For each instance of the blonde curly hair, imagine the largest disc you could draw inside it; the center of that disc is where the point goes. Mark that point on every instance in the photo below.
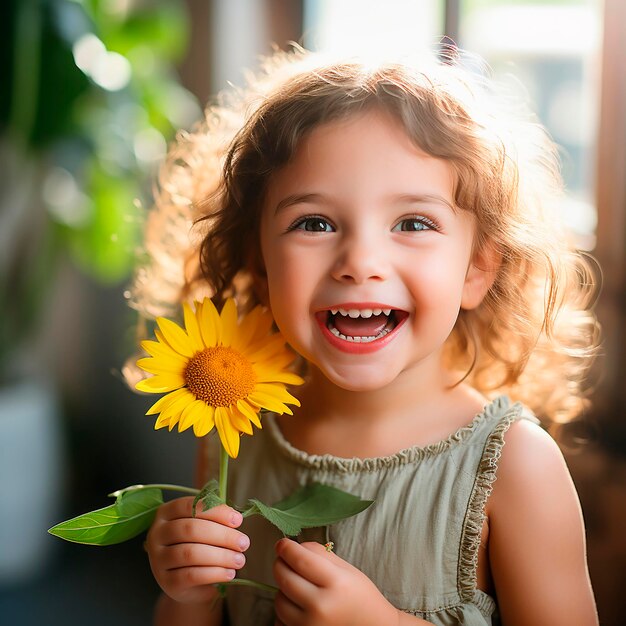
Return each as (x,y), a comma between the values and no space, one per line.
(534,335)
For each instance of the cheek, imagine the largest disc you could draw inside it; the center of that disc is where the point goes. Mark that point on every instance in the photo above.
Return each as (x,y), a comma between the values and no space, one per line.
(291,270)
(441,275)
(288,297)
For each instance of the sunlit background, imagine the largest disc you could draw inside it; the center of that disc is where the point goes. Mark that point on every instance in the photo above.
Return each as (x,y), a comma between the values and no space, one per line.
(92,93)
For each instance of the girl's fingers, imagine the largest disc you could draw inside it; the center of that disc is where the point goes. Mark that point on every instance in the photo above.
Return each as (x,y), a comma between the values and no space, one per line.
(197,554)
(296,588)
(331,557)
(185,578)
(181,508)
(194,530)
(286,611)
(315,567)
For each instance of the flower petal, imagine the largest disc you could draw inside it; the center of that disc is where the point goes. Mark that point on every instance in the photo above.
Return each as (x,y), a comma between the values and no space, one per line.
(160,383)
(192,328)
(277,392)
(277,376)
(250,326)
(206,422)
(251,413)
(191,413)
(228,319)
(174,420)
(162,403)
(264,326)
(229,435)
(162,350)
(270,348)
(269,402)
(178,405)
(162,422)
(161,366)
(175,336)
(208,321)
(240,421)
(280,361)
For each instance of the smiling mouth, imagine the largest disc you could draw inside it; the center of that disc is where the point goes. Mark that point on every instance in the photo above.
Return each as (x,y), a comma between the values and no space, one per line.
(362,325)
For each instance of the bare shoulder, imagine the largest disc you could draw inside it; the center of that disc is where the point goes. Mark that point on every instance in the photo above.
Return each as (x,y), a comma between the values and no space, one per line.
(537,539)
(532,460)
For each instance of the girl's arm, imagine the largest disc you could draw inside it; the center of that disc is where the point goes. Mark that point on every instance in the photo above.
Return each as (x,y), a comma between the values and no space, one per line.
(318,588)
(537,537)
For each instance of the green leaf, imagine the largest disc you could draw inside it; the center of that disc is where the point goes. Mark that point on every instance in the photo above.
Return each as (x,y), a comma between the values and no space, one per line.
(131,514)
(309,507)
(209,496)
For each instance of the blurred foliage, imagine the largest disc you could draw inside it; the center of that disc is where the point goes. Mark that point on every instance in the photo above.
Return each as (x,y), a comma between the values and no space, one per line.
(90,99)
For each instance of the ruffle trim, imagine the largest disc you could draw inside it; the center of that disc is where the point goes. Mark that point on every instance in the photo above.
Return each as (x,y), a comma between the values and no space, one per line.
(328,462)
(475,516)
(481,600)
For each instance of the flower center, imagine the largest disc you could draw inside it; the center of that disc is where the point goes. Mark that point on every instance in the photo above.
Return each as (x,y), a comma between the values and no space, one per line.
(219,376)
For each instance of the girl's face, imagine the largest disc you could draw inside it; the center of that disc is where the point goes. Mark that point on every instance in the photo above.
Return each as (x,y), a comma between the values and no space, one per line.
(367,260)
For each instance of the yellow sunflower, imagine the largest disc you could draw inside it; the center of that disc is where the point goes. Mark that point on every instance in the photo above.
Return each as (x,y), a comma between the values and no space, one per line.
(217,373)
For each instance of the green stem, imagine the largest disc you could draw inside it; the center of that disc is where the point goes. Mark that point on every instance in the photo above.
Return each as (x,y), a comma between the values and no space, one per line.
(223,483)
(165,487)
(251,583)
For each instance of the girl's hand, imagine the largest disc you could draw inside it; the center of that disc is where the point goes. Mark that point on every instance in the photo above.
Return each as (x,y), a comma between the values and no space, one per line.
(189,555)
(318,588)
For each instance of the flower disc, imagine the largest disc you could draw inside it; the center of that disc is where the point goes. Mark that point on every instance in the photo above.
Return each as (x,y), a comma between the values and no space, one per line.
(219,376)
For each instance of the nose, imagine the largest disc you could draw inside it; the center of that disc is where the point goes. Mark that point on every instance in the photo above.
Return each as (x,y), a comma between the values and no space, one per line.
(361,258)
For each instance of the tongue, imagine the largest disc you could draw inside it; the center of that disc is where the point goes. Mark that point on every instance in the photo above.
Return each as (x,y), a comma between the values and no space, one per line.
(360,326)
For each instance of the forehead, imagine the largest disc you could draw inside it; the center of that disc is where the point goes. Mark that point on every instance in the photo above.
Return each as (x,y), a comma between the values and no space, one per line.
(365,154)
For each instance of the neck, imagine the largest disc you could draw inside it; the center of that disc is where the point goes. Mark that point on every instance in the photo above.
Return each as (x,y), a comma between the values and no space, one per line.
(418,408)
(321,399)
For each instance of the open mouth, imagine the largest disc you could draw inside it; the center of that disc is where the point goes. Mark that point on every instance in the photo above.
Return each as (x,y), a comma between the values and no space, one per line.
(362,325)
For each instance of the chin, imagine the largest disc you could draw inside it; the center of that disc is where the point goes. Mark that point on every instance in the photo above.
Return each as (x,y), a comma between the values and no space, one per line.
(355,381)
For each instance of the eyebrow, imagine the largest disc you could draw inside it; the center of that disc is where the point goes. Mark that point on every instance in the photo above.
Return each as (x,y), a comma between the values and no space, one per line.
(299,198)
(409,198)
(405,198)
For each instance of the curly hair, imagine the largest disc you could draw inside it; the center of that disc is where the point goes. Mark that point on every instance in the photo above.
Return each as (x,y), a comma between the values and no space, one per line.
(533,336)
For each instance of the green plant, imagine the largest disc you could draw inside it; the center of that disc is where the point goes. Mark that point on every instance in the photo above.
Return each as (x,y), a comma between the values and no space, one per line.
(92,100)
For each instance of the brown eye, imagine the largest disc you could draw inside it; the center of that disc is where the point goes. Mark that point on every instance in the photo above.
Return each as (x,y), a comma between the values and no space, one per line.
(413,225)
(314,225)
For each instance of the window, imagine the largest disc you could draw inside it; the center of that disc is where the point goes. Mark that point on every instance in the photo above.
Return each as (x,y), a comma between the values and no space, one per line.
(364,26)
(547,50)
(551,48)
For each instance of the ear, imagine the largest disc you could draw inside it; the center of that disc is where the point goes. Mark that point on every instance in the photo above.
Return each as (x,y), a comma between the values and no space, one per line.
(481,274)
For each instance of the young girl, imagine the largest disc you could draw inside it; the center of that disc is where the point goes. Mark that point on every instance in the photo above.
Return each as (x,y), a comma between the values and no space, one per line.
(405,237)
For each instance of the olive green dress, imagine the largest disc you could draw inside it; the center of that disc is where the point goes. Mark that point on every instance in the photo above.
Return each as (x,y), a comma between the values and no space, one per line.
(418,542)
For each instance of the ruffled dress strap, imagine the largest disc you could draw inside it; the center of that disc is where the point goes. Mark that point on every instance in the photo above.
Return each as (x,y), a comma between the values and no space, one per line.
(486,475)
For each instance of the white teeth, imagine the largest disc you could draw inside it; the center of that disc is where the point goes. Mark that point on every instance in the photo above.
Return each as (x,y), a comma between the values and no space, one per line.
(355,313)
(366,339)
